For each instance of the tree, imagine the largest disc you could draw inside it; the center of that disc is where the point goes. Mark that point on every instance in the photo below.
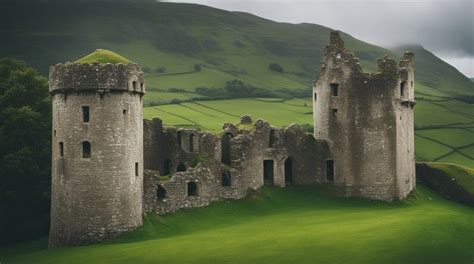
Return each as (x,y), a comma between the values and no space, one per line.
(25,152)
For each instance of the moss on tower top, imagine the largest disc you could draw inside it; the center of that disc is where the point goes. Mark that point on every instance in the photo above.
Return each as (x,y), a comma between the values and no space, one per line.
(103,56)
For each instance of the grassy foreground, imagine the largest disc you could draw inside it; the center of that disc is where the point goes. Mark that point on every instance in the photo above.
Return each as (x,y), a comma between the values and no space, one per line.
(295,224)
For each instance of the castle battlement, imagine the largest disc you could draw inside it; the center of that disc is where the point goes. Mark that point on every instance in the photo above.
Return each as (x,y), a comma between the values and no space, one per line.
(78,77)
(109,166)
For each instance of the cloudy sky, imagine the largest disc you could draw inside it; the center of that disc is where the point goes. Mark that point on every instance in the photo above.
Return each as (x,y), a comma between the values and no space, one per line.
(446,27)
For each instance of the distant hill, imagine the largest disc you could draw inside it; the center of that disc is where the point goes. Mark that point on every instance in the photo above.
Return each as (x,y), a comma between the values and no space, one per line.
(170,39)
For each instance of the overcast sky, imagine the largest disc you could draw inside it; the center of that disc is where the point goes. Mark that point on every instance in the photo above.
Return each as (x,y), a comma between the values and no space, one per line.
(445,27)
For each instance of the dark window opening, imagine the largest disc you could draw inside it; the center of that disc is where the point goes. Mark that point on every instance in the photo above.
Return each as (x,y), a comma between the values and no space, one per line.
(178,137)
(85,114)
(315,97)
(86,149)
(167,167)
(61,149)
(124,111)
(330,170)
(271,138)
(289,170)
(191,143)
(192,189)
(268,172)
(55,132)
(181,167)
(334,89)
(334,111)
(225,148)
(160,192)
(134,85)
(136,169)
(141,86)
(402,89)
(226,181)
(411,83)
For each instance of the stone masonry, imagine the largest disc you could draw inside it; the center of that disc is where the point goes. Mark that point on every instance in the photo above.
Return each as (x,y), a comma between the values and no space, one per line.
(110,166)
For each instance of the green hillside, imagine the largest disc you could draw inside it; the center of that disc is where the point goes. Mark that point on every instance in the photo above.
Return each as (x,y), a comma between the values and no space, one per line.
(168,40)
(290,225)
(184,46)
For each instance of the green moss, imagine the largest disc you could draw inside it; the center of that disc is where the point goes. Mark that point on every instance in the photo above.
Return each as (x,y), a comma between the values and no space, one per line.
(103,56)
(164,178)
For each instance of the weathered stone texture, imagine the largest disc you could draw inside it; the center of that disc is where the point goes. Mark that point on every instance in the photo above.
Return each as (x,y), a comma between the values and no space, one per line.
(367,122)
(363,124)
(100,197)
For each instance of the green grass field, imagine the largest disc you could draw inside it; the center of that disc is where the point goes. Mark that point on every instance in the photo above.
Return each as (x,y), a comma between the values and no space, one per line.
(444,129)
(290,225)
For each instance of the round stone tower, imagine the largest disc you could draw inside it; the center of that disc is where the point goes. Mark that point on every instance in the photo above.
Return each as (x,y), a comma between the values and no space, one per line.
(97,163)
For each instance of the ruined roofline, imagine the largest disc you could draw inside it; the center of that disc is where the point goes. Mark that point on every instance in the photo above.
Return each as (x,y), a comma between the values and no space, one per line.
(95,76)
(386,65)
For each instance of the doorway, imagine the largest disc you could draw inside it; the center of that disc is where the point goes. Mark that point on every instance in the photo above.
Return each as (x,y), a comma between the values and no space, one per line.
(268,172)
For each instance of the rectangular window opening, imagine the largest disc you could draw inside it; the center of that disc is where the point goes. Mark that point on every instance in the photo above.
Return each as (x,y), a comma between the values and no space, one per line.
(334,89)
(136,169)
(402,89)
(86,149)
(330,170)
(315,97)
(61,149)
(334,111)
(85,114)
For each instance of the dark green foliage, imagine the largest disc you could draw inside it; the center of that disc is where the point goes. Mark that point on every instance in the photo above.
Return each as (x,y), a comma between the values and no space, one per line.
(160,69)
(239,44)
(176,90)
(197,67)
(25,152)
(276,67)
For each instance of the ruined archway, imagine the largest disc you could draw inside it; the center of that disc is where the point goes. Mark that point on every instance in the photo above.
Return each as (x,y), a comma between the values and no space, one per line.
(289,170)
(271,138)
(160,192)
(166,167)
(191,143)
(225,148)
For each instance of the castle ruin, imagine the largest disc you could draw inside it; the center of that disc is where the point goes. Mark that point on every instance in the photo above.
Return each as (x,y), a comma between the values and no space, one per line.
(110,166)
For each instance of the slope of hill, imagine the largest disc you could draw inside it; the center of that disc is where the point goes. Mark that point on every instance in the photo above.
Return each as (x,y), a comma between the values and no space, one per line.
(170,39)
(294,224)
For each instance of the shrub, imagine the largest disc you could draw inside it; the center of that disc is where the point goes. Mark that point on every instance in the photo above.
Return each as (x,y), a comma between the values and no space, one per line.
(176,90)
(276,67)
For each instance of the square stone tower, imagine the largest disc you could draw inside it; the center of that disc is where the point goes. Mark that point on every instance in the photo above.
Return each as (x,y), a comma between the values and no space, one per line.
(367,120)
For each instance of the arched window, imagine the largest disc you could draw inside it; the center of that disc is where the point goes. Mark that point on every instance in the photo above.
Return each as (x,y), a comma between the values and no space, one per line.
(289,170)
(166,167)
(226,181)
(86,149)
(178,137)
(225,148)
(181,167)
(191,143)
(192,189)
(271,138)
(160,192)
(134,85)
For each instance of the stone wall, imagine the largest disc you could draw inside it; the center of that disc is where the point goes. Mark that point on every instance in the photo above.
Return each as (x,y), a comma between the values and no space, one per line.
(218,177)
(97,159)
(367,124)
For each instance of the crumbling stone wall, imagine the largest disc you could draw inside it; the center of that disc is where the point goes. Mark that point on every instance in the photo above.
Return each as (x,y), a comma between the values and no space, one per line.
(367,123)
(248,148)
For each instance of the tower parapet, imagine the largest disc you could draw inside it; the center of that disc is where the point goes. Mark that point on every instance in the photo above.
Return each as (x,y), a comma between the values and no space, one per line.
(97,160)
(367,120)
